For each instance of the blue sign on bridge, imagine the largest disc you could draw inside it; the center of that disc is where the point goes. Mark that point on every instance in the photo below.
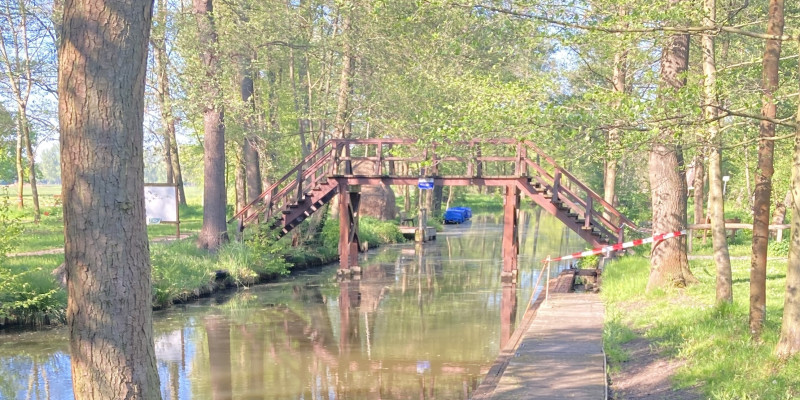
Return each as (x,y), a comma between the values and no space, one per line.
(425,183)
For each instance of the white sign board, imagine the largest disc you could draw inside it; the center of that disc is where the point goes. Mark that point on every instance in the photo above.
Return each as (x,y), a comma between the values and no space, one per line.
(161,203)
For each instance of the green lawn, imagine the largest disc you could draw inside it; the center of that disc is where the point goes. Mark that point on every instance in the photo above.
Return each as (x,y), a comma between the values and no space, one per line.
(49,232)
(722,362)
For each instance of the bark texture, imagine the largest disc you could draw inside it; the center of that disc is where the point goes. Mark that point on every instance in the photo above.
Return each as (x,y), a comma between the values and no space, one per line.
(763,189)
(789,341)
(102,60)
(214,230)
(669,265)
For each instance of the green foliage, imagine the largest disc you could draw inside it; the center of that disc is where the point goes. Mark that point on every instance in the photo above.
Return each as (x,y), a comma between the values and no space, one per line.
(779,249)
(589,262)
(371,230)
(714,341)
(28,291)
(10,228)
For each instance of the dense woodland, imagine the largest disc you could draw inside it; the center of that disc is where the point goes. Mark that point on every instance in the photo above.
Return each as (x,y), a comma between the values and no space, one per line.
(630,96)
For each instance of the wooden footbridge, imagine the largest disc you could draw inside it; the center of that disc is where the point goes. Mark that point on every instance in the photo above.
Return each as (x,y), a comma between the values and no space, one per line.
(516,165)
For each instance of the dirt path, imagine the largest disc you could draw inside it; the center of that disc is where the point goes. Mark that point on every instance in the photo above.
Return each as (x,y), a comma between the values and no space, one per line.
(646,375)
(60,250)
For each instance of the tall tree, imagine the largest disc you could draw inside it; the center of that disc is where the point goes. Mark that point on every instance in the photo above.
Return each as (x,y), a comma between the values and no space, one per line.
(164,98)
(19,65)
(716,204)
(214,230)
(619,87)
(343,117)
(789,342)
(102,60)
(763,191)
(669,264)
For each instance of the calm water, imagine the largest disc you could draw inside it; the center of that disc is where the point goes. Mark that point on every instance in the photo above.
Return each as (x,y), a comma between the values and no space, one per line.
(420,323)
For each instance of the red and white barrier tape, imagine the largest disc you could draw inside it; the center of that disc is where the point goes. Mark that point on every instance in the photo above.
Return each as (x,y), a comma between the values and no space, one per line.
(620,246)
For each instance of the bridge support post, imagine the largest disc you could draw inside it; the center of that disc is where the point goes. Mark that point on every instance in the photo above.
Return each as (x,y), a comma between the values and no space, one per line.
(349,201)
(510,233)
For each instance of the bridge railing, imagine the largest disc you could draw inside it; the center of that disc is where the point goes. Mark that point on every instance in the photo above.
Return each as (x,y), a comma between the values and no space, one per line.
(290,187)
(593,204)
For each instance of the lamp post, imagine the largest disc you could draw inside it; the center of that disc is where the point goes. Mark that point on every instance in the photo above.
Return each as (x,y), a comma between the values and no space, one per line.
(725,180)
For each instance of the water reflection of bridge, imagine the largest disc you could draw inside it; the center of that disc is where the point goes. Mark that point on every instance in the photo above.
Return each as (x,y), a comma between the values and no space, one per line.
(335,342)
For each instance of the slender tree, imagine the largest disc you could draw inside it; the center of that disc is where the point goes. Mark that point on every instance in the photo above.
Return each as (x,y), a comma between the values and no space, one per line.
(164,98)
(102,61)
(716,204)
(763,190)
(214,230)
(789,342)
(19,64)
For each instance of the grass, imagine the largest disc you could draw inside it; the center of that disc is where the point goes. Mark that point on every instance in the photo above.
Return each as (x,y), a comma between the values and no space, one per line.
(722,362)
(29,293)
(49,232)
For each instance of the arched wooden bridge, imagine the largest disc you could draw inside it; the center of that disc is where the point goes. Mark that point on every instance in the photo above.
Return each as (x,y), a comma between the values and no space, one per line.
(517,165)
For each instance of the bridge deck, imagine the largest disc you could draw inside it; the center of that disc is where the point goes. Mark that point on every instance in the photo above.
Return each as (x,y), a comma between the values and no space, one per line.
(561,354)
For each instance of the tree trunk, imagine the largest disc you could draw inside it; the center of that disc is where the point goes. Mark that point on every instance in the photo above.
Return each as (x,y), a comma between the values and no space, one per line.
(779,215)
(240,185)
(214,231)
(102,57)
(343,123)
(20,170)
(789,341)
(252,168)
(613,139)
(26,133)
(165,102)
(763,190)
(715,199)
(699,183)
(669,265)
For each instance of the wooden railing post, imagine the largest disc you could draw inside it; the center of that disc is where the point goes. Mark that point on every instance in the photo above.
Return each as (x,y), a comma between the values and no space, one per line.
(335,158)
(348,164)
(523,156)
(379,167)
(299,180)
(587,217)
(479,166)
(556,185)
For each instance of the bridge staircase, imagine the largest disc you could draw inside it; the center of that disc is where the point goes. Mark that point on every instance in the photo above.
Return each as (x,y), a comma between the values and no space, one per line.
(517,165)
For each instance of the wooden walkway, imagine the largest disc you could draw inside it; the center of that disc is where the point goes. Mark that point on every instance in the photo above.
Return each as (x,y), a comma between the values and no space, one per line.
(560,356)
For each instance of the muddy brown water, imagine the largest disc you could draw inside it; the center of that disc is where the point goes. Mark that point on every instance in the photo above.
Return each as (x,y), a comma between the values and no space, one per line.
(421,322)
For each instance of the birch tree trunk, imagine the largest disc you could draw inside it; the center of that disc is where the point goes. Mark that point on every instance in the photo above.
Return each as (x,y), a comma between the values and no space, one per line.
(102,60)
(763,190)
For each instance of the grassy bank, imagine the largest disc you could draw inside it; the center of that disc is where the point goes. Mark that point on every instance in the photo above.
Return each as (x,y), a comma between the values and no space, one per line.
(31,294)
(721,361)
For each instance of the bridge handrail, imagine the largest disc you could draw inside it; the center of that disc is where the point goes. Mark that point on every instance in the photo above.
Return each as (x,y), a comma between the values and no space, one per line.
(611,209)
(283,179)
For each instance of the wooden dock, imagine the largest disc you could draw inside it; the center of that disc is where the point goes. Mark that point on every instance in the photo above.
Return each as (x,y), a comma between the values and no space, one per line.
(409,231)
(560,356)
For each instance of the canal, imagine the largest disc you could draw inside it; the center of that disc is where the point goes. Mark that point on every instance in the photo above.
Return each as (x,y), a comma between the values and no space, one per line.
(422,322)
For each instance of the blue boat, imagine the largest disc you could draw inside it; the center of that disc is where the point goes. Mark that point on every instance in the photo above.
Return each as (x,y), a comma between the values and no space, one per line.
(457,215)
(467,211)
